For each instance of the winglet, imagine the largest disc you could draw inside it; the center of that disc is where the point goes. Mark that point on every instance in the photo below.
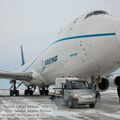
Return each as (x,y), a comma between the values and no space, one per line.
(22,56)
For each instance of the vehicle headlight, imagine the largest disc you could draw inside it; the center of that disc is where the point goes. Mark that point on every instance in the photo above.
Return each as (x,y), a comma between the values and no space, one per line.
(77,95)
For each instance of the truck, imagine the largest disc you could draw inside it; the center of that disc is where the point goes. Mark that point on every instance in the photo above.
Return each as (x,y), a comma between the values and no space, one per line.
(74,92)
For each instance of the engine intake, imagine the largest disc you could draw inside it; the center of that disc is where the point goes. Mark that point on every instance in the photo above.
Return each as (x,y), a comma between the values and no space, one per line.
(104,85)
(117,81)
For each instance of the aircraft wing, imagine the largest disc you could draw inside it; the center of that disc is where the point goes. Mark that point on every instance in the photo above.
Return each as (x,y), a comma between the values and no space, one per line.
(22,76)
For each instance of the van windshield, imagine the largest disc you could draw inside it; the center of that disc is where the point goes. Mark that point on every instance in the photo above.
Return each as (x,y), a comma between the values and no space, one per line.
(79,85)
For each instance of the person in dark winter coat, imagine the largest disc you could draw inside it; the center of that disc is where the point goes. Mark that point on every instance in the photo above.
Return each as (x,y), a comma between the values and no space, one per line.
(118,92)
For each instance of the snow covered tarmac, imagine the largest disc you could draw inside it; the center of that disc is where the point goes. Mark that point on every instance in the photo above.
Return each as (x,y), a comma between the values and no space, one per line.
(41,108)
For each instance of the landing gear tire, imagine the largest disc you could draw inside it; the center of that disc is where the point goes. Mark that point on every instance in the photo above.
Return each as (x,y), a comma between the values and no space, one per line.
(11,92)
(17,92)
(92,105)
(70,104)
(46,92)
(14,92)
(31,92)
(43,89)
(28,92)
(41,92)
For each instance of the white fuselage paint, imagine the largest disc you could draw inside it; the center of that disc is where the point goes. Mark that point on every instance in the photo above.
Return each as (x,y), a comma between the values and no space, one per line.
(85,48)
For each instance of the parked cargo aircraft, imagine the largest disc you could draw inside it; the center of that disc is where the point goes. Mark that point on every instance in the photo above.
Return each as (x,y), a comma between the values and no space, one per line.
(89,47)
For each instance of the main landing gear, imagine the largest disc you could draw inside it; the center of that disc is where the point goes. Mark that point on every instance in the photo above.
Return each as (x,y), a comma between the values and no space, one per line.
(15,92)
(44,90)
(29,91)
(13,89)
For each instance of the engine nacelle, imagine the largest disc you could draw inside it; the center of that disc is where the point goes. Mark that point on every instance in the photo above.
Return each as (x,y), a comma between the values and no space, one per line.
(104,85)
(114,80)
(117,81)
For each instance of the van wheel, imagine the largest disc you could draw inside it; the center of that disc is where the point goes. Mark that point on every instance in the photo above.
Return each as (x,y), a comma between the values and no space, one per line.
(92,105)
(70,104)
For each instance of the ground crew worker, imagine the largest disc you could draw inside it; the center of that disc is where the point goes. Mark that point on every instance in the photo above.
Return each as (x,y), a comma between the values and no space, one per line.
(118,92)
(98,96)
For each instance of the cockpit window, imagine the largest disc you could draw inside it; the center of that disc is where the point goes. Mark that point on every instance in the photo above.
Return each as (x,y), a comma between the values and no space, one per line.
(99,12)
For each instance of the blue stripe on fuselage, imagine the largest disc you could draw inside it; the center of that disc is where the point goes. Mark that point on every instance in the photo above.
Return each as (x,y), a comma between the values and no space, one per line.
(86,36)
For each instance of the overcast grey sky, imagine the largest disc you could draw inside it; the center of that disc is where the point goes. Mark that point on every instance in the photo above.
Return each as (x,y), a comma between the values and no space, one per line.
(35,24)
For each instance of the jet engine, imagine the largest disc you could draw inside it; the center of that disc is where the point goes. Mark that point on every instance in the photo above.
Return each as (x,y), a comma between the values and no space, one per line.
(103,85)
(114,80)
(117,81)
